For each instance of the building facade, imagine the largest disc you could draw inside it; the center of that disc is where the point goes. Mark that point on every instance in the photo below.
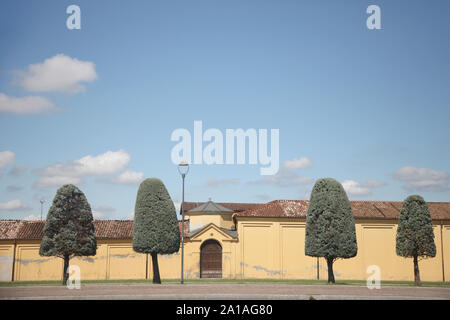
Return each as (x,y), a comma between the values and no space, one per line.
(235,241)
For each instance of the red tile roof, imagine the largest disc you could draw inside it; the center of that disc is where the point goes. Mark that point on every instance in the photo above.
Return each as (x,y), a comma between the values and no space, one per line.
(278,208)
(361,209)
(31,230)
(113,229)
(104,229)
(123,229)
(10,228)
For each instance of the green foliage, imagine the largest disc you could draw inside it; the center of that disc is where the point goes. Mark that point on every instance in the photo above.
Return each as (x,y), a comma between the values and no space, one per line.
(69,230)
(155,221)
(415,235)
(330,226)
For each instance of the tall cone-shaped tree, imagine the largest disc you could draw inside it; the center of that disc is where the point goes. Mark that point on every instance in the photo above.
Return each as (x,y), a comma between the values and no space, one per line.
(155,228)
(415,237)
(69,230)
(330,226)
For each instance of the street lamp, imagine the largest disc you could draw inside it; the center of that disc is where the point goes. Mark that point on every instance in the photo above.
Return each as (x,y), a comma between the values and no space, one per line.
(183,169)
(42,203)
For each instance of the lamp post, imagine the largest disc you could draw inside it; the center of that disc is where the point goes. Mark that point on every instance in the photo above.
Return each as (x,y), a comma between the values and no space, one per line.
(42,203)
(183,169)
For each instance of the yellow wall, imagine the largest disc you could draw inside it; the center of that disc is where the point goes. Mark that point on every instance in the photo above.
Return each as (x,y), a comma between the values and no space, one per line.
(192,252)
(198,220)
(446,249)
(271,248)
(274,249)
(115,259)
(266,248)
(376,246)
(257,251)
(29,265)
(169,266)
(6,260)
(292,251)
(226,221)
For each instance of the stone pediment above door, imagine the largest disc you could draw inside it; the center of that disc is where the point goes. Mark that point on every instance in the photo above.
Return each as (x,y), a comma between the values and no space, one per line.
(211,231)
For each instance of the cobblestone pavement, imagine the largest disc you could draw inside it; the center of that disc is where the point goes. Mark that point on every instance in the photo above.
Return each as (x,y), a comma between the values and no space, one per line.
(222,291)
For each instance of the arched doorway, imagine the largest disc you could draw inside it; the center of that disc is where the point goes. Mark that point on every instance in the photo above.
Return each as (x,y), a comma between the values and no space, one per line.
(211,259)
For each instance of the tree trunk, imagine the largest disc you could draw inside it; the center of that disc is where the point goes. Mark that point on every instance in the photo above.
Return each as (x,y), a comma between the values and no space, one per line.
(65,270)
(156,278)
(330,270)
(416,272)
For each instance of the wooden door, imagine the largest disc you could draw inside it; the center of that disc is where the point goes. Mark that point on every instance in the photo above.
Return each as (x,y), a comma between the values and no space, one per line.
(211,260)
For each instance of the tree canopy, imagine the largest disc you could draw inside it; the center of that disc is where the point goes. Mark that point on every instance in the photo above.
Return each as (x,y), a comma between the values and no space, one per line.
(415,235)
(155,221)
(69,229)
(330,225)
(155,228)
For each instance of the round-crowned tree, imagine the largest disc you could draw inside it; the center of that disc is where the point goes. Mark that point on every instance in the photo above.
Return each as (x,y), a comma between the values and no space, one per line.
(155,227)
(69,229)
(415,237)
(330,226)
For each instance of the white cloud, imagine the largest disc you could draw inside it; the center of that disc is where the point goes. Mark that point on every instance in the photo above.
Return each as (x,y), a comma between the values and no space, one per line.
(106,209)
(301,163)
(13,205)
(56,181)
(354,188)
(32,217)
(110,162)
(98,215)
(25,105)
(128,177)
(60,73)
(6,157)
(102,212)
(423,179)
(107,163)
(287,176)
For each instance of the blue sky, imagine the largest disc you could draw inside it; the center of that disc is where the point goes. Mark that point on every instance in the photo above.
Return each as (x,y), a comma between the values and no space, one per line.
(97,106)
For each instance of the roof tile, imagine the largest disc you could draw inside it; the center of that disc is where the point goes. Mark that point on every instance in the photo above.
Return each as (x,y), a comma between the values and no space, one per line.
(104,229)
(9,229)
(361,209)
(123,229)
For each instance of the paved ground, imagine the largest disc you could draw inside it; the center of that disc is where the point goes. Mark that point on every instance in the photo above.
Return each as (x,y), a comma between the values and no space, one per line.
(221,291)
